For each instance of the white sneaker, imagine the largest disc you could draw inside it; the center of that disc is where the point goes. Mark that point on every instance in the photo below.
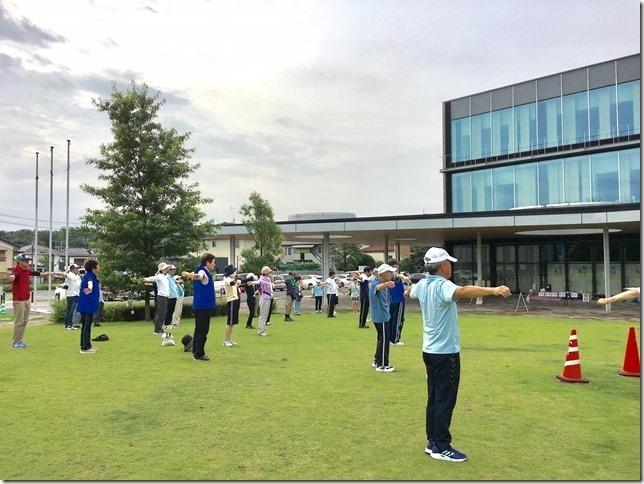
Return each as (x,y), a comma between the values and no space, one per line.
(386,369)
(228,343)
(88,352)
(400,343)
(262,333)
(373,364)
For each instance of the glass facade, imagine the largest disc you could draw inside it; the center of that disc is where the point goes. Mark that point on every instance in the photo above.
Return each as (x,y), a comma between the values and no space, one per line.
(586,116)
(609,177)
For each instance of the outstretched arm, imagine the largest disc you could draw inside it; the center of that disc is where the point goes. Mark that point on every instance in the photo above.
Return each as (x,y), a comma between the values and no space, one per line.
(622,296)
(476,291)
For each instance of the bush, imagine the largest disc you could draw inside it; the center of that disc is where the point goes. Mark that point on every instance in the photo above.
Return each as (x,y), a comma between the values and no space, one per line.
(118,311)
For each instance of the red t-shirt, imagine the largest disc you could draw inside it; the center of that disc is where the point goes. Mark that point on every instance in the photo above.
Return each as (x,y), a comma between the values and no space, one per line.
(20,285)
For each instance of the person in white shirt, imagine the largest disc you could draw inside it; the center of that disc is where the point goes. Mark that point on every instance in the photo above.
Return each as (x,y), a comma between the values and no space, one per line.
(73,282)
(331,294)
(231,286)
(163,291)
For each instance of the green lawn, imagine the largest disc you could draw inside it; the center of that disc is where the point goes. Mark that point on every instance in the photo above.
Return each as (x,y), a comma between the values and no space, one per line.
(304,403)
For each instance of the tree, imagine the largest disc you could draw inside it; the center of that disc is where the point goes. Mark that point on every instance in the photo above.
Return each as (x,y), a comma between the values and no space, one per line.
(151,213)
(258,218)
(415,261)
(348,257)
(78,237)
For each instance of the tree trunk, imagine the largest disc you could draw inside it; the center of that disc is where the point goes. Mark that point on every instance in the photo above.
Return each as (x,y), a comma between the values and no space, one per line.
(147,305)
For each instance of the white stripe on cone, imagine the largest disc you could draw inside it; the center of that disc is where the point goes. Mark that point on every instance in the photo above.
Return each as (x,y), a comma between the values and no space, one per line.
(571,362)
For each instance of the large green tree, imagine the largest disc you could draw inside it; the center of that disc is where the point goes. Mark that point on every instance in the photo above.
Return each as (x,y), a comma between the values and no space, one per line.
(415,262)
(348,257)
(151,212)
(259,219)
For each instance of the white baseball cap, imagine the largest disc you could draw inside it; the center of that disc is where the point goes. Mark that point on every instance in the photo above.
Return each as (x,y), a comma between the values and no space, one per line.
(162,266)
(436,254)
(381,269)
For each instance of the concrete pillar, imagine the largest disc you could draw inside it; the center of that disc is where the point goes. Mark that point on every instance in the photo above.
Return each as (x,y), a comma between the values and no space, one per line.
(606,267)
(397,251)
(386,249)
(479,264)
(232,251)
(326,259)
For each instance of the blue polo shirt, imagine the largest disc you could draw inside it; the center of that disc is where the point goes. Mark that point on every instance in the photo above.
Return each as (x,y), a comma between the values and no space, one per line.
(441,334)
(397,293)
(378,302)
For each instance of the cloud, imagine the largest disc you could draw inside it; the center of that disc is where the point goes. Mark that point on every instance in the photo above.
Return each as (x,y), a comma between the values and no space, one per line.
(22,31)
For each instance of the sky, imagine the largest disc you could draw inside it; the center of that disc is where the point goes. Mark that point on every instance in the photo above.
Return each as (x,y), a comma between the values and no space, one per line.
(319,105)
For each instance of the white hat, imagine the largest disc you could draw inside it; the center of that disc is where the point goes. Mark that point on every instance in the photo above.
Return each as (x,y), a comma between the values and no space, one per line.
(177,278)
(172,266)
(250,276)
(162,266)
(381,269)
(436,254)
(266,270)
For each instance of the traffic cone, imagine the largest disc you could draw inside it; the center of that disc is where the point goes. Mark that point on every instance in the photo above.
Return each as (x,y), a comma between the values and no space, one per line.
(631,365)
(572,366)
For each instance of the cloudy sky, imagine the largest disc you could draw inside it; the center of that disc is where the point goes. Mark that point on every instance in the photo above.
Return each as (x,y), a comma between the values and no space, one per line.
(308,102)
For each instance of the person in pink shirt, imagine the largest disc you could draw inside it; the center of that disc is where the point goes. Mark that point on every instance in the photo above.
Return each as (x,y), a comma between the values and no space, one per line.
(265,297)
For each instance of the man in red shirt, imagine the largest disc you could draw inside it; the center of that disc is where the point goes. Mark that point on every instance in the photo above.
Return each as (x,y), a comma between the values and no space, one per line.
(22,296)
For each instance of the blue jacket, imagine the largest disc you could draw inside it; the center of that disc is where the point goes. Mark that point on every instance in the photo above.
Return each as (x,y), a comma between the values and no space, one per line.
(397,294)
(203,294)
(88,303)
(378,302)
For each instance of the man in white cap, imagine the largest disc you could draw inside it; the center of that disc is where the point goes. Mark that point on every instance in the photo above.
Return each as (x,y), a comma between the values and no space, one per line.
(441,347)
(163,291)
(379,304)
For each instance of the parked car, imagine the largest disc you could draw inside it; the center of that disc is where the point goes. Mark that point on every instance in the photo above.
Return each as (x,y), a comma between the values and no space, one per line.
(309,281)
(417,277)
(218,279)
(60,292)
(280,283)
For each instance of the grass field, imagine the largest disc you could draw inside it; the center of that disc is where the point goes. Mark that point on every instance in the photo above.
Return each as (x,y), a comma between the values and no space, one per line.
(304,403)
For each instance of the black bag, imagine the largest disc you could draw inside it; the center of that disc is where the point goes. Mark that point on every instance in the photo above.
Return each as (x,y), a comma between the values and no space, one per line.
(101,337)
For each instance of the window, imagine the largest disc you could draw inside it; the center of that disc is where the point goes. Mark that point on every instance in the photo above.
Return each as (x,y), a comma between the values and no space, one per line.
(482,190)
(575,118)
(481,136)
(577,177)
(549,123)
(525,127)
(629,169)
(603,114)
(502,132)
(550,182)
(3,255)
(214,243)
(503,182)
(628,97)
(605,177)
(460,139)
(526,185)
(461,192)
(236,243)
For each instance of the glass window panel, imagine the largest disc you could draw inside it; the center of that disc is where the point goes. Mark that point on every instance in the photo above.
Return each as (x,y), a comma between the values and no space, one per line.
(461,193)
(580,277)
(556,276)
(481,190)
(615,277)
(525,127)
(579,252)
(503,182)
(464,254)
(629,168)
(549,123)
(502,132)
(481,136)
(575,118)
(506,275)
(577,179)
(529,253)
(603,113)
(526,185)
(528,277)
(461,139)
(505,253)
(550,182)
(628,97)
(605,177)
(632,250)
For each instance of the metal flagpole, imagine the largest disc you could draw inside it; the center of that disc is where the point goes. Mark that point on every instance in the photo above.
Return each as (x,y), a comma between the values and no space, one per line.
(35,247)
(51,209)
(67,216)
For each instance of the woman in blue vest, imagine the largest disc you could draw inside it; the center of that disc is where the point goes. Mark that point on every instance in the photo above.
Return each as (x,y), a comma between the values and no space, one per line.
(88,304)
(203,303)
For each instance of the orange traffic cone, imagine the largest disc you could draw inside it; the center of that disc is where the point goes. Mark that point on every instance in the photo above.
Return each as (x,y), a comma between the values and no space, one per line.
(632,357)
(572,366)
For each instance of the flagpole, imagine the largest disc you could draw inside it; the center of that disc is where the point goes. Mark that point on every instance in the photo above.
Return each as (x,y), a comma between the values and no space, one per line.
(34,250)
(67,215)
(51,212)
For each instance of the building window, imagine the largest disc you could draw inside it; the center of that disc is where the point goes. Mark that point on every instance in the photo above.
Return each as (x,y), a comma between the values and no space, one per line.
(629,179)
(603,113)
(503,181)
(577,176)
(550,182)
(628,98)
(502,132)
(605,177)
(526,185)
(482,190)
(461,192)
(481,136)
(214,243)
(461,139)
(549,123)
(236,243)
(575,118)
(525,127)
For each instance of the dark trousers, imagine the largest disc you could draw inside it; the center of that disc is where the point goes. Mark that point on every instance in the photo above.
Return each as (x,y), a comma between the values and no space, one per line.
(382,344)
(396,321)
(69,311)
(270,311)
(331,300)
(86,331)
(202,326)
(232,312)
(364,312)
(443,375)
(160,311)
(318,303)
(250,300)
(172,303)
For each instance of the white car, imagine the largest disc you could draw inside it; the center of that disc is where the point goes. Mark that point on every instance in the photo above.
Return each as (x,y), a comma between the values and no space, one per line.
(60,293)
(218,280)
(309,281)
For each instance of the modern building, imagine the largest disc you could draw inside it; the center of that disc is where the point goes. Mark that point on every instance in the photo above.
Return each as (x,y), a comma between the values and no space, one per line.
(541,184)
